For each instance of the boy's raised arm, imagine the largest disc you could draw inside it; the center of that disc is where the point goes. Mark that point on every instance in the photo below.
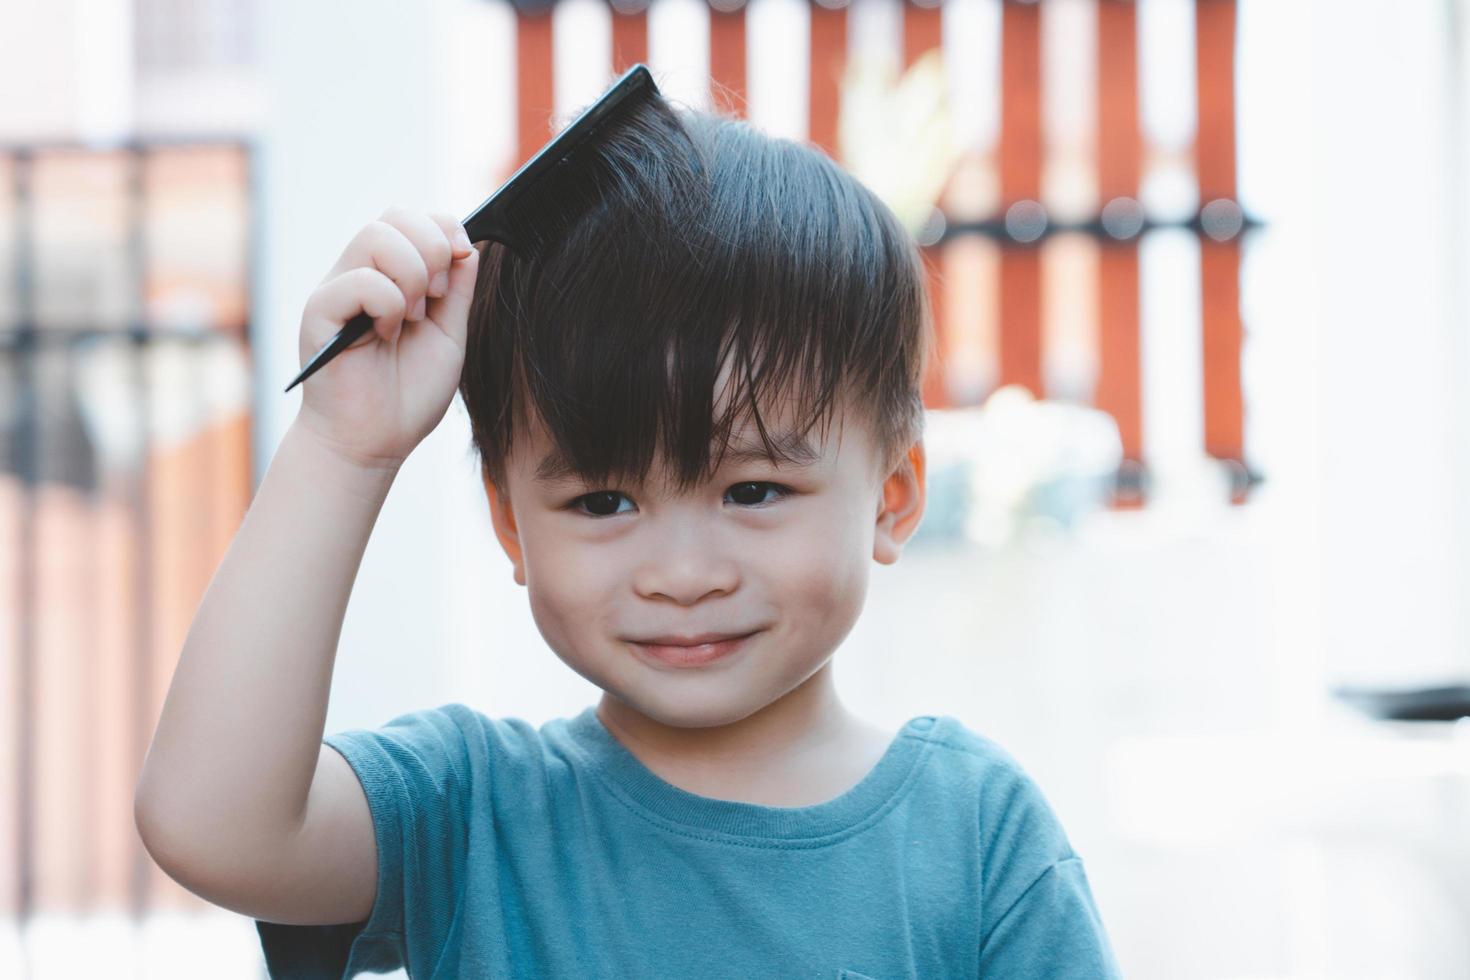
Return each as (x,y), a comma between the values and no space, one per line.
(238,798)
(225,787)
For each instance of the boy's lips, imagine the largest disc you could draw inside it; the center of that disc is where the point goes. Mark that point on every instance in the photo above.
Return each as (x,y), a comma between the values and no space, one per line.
(676,640)
(705,648)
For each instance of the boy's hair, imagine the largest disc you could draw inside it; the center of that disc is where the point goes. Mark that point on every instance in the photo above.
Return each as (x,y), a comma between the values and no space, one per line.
(706,240)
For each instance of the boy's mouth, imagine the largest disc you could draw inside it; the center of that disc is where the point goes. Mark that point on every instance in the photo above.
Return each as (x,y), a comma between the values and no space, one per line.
(691,651)
(676,640)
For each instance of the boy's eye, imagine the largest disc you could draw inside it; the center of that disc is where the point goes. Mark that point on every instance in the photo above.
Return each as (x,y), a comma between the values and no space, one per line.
(597,504)
(755,492)
(604,503)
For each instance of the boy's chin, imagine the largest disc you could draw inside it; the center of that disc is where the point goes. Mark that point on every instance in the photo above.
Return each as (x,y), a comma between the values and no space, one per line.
(683,707)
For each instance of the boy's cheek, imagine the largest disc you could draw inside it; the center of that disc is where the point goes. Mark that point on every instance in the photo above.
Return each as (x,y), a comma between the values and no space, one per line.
(815,568)
(820,537)
(564,578)
(567,575)
(565,628)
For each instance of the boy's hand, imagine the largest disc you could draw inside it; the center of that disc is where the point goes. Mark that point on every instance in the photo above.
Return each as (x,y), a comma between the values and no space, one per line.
(414,273)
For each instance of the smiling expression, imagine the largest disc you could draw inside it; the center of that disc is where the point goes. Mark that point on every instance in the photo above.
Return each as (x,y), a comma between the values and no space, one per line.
(776,552)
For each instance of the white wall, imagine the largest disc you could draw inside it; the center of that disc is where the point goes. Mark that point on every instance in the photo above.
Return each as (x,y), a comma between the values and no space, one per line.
(1378,208)
(370,105)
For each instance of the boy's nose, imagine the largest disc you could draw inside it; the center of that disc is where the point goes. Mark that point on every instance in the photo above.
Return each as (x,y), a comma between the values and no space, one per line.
(686,570)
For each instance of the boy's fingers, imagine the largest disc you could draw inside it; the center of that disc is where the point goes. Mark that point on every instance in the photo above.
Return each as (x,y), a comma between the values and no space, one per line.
(338,300)
(453,311)
(432,245)
(459,239)
(384,247)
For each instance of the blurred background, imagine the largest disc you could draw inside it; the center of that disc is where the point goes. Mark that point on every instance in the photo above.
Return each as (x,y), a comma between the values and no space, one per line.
(1196,548)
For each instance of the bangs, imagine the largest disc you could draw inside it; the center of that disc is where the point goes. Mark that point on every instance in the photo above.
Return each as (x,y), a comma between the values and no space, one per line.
(721,274)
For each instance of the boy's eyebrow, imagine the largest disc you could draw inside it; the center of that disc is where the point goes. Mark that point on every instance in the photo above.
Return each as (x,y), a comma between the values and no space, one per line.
(556,468)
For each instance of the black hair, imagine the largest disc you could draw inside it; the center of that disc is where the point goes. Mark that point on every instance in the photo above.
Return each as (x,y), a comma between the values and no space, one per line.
(707,240)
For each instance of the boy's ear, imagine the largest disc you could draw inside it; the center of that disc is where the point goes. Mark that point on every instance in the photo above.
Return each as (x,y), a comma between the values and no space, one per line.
(504,519)
(902,506)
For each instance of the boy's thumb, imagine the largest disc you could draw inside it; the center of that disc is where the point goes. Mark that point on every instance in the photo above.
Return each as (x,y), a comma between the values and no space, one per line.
(452,310)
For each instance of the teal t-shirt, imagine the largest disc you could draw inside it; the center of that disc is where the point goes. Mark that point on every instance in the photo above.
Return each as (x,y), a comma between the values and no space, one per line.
(510,851)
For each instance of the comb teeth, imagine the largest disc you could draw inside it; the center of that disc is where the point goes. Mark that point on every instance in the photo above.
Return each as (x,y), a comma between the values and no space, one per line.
(646,156)
(546,208)
(562,180)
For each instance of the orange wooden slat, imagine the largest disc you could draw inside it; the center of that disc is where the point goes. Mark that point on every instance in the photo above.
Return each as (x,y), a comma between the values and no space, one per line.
(1224,410)
(828,57)
(1119,376)
(1020,179)
(971,276)
(1119,139)
(922,31)
(1222,336)
(534,99)
(727,59)
(1020,318)
(199,491)
(116,743)
(629,39)
(1119,154)
(64,530)
(1215,65)
(1020,107)
(180,569)
(197,225)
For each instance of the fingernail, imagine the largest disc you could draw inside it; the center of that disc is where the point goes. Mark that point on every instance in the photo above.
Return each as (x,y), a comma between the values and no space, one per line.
(462,239)
(439,285)
(418,309)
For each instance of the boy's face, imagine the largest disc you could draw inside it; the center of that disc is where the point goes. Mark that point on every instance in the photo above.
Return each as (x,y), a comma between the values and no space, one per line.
(780,552)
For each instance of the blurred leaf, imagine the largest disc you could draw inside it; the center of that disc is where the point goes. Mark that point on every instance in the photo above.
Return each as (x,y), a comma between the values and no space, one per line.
(895,133)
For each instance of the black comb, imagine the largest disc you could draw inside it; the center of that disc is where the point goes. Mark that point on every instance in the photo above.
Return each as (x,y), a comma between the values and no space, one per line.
(509,215)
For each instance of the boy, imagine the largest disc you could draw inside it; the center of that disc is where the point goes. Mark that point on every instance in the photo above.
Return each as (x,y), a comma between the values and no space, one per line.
(698,418)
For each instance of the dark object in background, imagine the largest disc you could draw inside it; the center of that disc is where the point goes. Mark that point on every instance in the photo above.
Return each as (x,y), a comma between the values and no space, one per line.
(1409,704)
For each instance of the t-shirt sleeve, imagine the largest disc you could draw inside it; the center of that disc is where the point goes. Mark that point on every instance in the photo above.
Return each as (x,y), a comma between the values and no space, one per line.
(1053,930)
(415,773)
(1038,917)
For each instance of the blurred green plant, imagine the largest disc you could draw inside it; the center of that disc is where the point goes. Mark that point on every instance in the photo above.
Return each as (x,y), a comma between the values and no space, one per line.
(895,133)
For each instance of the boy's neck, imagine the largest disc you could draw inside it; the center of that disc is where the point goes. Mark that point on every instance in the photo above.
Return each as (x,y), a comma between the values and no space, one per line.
(802,749)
